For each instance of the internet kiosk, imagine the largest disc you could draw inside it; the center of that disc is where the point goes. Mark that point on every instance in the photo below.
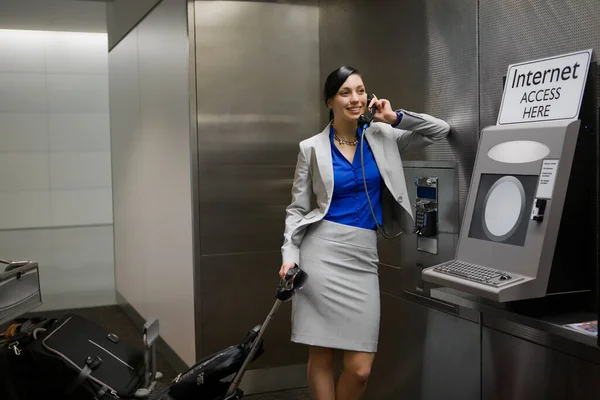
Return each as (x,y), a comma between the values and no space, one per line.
(527,231)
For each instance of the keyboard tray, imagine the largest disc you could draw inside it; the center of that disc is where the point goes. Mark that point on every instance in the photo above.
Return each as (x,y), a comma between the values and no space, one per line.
(478,274)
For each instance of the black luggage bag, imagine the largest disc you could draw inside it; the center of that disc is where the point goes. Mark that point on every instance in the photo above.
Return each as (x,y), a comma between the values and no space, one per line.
(112,365)
(204,380)
(70,358)
(74,359)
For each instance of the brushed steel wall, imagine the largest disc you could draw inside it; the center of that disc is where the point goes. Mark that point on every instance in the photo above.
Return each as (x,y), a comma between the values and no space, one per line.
(257,73)
(515,31)
(515,369)
(425,354)
(422,56)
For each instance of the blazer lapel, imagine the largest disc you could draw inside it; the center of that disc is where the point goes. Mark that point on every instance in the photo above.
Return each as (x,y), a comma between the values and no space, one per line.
(377,148)
(324,161)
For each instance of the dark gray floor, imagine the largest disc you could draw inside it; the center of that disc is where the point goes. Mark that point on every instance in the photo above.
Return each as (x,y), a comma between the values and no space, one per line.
(113,319)
(297,394)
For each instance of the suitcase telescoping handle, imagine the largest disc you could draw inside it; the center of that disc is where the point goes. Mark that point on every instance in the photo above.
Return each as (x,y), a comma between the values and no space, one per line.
(238,376)
(294,279)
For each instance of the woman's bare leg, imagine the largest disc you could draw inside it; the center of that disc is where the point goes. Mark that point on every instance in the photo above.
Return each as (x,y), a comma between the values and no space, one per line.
(320,373)
(353,381)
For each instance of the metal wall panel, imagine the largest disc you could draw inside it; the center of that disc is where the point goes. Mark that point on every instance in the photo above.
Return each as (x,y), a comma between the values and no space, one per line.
(257,85)
(422,56)
(257,74)
(238,291)
(419,359)
(515,369)
(515,31)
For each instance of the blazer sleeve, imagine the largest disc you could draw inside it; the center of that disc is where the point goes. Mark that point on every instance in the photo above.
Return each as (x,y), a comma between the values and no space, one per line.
(298,208)
(419,130)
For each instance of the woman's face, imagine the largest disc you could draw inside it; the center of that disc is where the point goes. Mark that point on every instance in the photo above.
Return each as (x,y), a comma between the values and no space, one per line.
(350,101)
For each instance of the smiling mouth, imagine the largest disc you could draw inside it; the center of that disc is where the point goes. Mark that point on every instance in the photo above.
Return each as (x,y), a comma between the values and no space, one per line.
(354,109)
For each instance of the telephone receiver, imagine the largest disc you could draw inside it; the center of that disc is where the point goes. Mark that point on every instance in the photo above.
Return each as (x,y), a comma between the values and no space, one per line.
(363,121)
(366,118)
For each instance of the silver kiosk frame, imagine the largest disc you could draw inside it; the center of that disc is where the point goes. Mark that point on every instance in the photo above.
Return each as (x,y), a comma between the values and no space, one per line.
(509,233)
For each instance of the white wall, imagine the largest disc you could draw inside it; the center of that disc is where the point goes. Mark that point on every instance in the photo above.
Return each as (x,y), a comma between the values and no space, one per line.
(55,176)
(150,141)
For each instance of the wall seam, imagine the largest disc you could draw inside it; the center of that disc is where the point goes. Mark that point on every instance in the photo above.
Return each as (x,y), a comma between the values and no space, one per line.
(195,185)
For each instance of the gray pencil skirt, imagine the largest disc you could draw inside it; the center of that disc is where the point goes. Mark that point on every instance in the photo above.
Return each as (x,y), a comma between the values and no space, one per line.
(339,307)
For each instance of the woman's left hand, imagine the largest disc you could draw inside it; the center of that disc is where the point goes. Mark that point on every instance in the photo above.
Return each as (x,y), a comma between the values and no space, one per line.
(384,112)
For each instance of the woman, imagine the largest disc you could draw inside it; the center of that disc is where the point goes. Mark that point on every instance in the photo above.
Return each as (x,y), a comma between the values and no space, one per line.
(336,242)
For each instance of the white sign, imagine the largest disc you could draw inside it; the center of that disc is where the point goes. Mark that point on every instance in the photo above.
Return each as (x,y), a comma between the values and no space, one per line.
(547,179)
(544,90)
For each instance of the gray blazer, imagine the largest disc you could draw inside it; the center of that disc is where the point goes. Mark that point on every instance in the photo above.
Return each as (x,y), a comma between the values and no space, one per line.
(314,175)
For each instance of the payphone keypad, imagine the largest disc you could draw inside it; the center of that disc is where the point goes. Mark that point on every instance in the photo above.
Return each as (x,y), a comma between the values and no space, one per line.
(426,207)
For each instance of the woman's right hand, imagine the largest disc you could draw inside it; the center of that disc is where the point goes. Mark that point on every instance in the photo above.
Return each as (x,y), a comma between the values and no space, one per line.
(285,267)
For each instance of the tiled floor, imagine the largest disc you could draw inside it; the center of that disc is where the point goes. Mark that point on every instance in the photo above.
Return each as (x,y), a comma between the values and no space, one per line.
(115,320)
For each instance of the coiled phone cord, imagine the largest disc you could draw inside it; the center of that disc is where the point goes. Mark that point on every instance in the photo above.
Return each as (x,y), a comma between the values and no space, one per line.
(362,164)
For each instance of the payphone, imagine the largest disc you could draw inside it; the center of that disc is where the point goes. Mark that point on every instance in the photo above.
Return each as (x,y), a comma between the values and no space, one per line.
(432,187)
(426,223)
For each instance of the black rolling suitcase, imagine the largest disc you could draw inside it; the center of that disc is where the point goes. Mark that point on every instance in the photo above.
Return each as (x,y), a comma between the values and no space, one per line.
(99,357)
(73,358)
(70,358)
(205,379)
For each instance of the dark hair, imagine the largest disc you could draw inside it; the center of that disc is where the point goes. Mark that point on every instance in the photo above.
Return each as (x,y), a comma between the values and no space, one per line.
(334,82)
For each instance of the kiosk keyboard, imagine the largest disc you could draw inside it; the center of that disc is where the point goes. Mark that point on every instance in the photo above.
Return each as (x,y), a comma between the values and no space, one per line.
(477,273)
